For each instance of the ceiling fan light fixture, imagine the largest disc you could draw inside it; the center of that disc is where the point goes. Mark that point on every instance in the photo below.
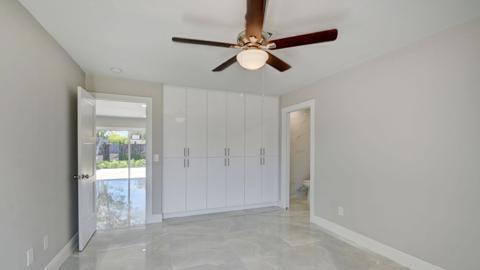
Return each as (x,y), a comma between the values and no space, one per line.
(252,58)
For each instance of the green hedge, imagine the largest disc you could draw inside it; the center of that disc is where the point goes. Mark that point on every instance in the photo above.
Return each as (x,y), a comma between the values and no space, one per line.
(116,164)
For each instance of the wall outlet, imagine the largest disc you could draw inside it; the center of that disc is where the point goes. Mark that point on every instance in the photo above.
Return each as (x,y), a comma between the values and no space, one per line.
(30,256)
(340,211)
(45,242)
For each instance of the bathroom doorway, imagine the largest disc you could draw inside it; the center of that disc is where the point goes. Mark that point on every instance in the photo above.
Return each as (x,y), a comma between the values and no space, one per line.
(298,157)
(299,129)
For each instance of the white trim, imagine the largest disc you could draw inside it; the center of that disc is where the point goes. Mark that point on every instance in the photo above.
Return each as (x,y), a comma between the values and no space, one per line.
(149,217)
(363,241)
(155,219)
(63,254)
(219,210)
(285,160)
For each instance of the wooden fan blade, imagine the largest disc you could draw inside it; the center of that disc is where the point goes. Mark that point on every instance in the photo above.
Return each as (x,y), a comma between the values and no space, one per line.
(254,18)
(277,63)
(312,38)
(226,64)
(203,42)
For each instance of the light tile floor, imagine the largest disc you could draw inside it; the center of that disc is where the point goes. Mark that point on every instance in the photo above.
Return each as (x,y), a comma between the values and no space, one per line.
(267,238)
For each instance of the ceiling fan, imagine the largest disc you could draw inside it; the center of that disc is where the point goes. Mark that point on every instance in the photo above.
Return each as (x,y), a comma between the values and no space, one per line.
(255,44)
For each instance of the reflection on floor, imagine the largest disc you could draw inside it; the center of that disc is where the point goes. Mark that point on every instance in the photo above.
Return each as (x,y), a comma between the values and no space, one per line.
(267,238)
(117,207)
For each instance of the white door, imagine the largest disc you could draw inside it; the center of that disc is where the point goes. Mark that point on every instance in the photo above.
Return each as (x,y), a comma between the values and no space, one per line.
(174,184)
(235,181)
(196,123)
(216,196)
(174,121)
(270,126)
(87,222)
(236,124)
(253,180)
(253,125)
(270,179)
(196,184)
(216,123)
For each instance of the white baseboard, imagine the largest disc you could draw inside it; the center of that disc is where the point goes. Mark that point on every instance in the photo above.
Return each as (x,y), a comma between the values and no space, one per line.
(360,240)
(219,210)
(63,254)
(155,219)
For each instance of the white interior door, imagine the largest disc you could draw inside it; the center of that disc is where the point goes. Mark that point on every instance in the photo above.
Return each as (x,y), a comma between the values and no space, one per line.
(236,124)
(87,219)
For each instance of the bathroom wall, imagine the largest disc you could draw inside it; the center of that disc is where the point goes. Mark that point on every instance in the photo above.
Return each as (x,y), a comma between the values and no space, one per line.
(299,150)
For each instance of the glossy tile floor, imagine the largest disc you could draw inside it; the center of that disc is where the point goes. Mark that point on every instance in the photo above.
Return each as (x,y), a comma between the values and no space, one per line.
(267,238)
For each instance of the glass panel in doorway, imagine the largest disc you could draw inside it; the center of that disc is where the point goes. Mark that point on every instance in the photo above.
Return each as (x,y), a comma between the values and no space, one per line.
(121,175)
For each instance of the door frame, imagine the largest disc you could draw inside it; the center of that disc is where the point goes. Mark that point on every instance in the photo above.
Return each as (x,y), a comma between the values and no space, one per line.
(285,150)
(149,217)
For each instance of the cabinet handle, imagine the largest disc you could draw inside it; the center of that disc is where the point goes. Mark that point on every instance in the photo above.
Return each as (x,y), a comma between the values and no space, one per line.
(184,152)
(225,162)
(184,163)
(188,163)
(225,151)
(228,162)
(228,152)
(188,151)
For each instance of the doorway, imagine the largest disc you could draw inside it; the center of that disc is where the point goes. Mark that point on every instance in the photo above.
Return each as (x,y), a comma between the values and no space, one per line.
(122,188)
(298,157)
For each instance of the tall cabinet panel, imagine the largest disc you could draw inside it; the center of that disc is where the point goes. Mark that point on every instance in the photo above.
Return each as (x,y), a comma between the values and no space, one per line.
(196,123)
(253,125)
(235,124)
(216,123)
(216,196)
(174,121)
(270,126)
(270,179)
(253,180)
(235,181)
(196,190)
(174,185)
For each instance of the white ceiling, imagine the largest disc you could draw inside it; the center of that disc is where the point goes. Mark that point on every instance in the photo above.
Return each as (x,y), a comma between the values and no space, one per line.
(135,35)
(120,109)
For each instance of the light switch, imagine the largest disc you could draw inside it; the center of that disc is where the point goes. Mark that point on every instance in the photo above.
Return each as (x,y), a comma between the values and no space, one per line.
(156,158)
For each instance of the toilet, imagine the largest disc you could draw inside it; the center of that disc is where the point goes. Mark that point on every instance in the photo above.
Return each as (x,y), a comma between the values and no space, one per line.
(306,187)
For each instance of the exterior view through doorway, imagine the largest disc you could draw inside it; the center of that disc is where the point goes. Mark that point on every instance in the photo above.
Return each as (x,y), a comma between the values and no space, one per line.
(122,190)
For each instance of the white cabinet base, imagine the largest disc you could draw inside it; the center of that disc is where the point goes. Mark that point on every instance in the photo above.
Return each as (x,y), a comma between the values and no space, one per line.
(220,210)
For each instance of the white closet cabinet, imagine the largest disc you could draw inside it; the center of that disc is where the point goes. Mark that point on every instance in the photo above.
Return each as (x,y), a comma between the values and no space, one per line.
(220,151)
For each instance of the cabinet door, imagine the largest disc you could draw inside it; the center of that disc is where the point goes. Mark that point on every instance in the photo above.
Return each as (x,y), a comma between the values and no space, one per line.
(216,196)
(173,185)
(236,181)
(253,125)
(196,184)
(197,122)
(270,126)
(253,180)
(270,179)
(174,121)
(236,124)
(216,123)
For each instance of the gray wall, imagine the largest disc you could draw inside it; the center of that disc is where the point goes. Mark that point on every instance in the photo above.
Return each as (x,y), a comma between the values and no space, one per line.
(38,83)
(112,85)
(299,150)
(398,146)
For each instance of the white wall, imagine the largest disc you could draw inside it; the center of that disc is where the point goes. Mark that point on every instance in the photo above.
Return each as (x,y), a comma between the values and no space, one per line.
(112,85)
(299,150)
(38,196)
(398,146)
